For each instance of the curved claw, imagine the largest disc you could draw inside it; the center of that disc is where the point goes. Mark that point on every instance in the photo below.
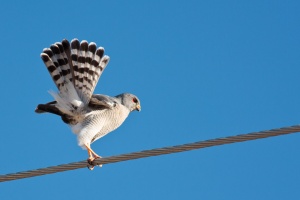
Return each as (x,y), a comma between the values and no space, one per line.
(90,165)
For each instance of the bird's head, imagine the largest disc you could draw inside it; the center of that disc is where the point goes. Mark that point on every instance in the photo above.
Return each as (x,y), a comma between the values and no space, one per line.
(130,101)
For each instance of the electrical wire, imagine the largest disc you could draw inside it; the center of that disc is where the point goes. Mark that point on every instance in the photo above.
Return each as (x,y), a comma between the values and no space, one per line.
(152,152)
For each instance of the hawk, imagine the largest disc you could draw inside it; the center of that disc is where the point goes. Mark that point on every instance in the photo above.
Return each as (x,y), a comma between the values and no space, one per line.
(75,69)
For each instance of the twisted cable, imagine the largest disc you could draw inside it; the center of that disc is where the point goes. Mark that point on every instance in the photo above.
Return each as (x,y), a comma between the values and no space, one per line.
(153,152)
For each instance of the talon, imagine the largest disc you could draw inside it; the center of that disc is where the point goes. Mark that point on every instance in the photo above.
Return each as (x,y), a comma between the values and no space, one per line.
(90,167)
(90,161)
(94,159)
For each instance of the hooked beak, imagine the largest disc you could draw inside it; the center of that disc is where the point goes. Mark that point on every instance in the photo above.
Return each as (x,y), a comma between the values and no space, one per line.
(138,107)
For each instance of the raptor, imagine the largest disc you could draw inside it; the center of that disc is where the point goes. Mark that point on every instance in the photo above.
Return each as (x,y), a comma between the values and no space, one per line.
(75,68)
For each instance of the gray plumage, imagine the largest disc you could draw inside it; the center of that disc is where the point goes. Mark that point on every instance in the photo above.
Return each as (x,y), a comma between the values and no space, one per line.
(75,69)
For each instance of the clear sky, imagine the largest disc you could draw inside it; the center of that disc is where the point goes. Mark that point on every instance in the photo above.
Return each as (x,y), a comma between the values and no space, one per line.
(202,70)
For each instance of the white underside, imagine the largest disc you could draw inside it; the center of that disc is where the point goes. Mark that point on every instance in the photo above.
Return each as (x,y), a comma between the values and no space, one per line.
(99,122)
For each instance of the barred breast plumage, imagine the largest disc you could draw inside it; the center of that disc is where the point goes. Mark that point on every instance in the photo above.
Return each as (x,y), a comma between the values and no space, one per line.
(75,69)
(98,123)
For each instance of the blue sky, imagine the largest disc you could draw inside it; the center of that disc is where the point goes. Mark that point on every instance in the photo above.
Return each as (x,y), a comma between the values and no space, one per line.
(202,70)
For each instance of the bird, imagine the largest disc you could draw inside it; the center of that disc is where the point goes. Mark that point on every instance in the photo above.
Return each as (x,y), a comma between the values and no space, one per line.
(75,68)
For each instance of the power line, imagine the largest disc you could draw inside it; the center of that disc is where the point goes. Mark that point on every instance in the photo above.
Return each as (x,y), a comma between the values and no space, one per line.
(153,152)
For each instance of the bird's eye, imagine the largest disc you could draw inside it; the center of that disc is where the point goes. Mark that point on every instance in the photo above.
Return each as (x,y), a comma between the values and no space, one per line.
(134,100)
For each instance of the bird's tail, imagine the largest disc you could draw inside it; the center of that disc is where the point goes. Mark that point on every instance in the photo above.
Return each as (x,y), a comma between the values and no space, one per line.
(75,69)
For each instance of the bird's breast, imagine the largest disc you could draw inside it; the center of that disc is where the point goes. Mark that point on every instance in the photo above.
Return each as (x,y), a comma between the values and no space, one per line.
(112,118)
(98,123)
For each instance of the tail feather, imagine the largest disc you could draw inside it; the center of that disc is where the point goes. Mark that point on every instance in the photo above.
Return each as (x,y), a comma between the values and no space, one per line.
(90,69)
(95,70)
(66,46)
(99,63)
(63,62)
(75,69)
(53,68)
(75,51)
(82,65)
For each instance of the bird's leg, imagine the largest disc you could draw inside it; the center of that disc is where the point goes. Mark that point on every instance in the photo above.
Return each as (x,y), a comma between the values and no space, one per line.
(94,154)
(92,157)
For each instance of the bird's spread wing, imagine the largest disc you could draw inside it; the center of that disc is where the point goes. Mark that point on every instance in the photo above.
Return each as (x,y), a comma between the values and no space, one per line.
(79,64)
